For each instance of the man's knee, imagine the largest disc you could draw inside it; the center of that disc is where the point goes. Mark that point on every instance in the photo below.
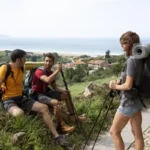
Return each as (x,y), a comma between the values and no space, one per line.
(17,112)
(54,102)
(43,108)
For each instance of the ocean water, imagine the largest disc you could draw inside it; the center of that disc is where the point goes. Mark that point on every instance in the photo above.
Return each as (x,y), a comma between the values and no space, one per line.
(89,46)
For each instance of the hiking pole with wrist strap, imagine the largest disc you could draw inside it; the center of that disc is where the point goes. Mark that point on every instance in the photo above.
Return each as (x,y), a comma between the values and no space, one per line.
(111,94)
(70,98)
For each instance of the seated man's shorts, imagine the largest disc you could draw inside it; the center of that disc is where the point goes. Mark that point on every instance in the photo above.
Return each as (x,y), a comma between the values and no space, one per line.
(20,101)
(46,98)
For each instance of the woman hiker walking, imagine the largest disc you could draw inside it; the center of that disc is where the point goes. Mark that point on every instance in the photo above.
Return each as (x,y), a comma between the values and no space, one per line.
(130,105)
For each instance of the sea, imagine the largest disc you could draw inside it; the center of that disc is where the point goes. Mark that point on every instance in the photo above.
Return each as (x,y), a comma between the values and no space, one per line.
(80,46)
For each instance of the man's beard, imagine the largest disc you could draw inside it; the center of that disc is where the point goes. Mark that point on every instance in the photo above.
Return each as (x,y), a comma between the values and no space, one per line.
(48,67)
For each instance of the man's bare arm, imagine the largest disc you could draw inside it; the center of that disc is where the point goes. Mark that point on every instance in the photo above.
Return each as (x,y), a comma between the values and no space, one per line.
(54,86)
(51,78)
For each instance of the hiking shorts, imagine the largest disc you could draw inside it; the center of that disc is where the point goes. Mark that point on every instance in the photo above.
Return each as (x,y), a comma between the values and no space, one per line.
(46,98)
(130,110)
(20,101)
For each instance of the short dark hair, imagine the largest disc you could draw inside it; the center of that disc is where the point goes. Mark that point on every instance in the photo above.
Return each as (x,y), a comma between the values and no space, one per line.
(17,53)
(50,55)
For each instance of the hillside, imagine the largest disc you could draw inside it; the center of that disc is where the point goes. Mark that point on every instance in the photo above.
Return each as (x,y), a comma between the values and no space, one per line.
(37,137)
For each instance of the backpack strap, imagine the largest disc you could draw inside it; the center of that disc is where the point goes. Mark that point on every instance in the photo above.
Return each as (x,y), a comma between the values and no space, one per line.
(7,74)
(22,69)
(31,74)
(10,72)
(45,72)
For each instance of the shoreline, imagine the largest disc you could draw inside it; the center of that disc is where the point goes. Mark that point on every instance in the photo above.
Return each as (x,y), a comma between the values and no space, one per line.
(67,54)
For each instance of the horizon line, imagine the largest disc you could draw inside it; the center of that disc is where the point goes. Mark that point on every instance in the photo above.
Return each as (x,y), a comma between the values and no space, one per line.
(7,36)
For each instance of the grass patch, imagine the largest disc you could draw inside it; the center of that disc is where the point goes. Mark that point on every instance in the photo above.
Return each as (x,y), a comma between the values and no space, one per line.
(77,88)
(2,53)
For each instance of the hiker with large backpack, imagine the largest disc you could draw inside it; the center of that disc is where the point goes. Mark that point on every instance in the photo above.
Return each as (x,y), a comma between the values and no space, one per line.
(130,101)
(51,96)
(15,102)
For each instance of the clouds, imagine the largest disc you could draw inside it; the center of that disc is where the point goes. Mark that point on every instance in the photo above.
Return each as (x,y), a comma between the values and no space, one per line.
(73,18)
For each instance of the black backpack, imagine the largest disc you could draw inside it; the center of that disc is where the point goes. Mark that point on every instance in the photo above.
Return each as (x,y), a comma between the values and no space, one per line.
(144,85)
(28,80)
(142,52)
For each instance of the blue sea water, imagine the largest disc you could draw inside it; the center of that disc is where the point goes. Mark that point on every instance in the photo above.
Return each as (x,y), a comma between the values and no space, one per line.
(89,46)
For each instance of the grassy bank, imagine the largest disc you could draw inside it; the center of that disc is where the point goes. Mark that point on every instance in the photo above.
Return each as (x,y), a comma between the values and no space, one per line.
(38,137)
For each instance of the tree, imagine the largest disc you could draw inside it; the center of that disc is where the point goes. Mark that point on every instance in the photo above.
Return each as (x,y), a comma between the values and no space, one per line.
(121,59)
(76,78)
(84,56)
(116,69)
(34,58)
(56,56)
(69,73)
(80,71)
(107,56)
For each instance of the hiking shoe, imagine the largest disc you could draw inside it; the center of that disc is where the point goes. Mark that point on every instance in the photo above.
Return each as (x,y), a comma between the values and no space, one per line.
(61,141)
(66,128)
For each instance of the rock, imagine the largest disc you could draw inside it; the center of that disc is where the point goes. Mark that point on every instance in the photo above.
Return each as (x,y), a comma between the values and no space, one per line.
(17,136)
(89,89)
(95,89)
(87,92)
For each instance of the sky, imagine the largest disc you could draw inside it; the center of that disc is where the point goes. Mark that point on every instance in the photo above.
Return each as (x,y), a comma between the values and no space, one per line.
(74,18)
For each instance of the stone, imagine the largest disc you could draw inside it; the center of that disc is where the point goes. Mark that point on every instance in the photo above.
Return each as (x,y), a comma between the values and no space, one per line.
(87,92)
(17,136)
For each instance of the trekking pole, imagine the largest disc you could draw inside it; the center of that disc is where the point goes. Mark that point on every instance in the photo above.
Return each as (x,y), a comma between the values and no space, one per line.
(109,94)
(70,98)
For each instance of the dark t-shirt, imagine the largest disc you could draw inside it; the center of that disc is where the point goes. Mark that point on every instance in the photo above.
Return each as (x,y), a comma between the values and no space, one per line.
(133,69)
(39,86)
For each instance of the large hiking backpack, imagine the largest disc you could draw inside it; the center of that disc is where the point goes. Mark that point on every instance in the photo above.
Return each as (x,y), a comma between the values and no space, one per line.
(144,85)
(143,52)
(28,80)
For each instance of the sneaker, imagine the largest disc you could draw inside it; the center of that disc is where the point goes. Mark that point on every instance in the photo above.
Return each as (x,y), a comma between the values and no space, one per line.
(62,142)
(66,128)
